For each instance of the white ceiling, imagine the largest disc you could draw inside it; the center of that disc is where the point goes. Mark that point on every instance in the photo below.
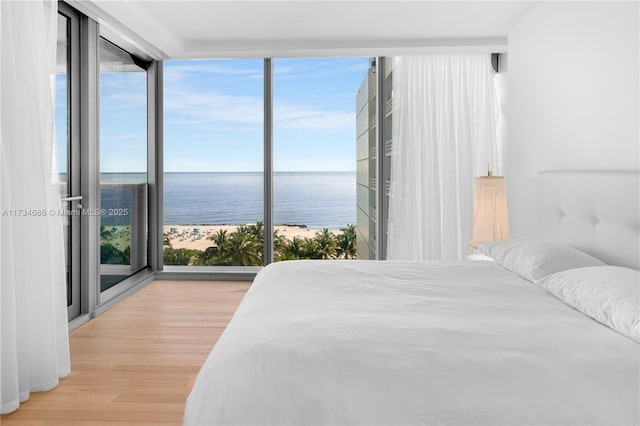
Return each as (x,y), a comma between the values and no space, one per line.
(209,29)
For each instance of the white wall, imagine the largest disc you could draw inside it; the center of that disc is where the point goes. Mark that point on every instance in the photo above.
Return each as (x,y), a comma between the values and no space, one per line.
(573,96)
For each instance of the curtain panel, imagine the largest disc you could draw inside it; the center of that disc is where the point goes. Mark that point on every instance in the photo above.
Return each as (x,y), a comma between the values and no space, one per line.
(444,134)
(34,345)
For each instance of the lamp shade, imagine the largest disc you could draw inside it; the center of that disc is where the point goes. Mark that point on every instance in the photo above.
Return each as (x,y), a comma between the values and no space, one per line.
(490,215)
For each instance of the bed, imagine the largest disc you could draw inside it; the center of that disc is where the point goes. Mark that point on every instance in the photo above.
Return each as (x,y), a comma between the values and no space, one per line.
(506,342)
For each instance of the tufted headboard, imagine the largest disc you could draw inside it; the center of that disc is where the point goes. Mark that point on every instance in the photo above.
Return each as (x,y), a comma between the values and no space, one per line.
(596,211)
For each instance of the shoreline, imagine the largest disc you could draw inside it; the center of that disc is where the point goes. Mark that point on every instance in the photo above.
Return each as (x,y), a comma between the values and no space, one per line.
(196,236)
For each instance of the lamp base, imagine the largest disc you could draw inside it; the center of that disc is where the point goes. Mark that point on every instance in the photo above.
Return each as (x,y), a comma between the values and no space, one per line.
(473,247)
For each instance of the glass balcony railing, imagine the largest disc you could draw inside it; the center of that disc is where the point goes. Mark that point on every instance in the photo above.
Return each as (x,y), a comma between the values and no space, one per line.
(123,228)
(123,231)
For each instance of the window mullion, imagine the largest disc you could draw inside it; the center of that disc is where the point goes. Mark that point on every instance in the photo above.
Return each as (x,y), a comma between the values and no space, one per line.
(268,161)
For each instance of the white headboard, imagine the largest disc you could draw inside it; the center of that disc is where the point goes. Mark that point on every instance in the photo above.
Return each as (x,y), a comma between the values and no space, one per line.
(596,211)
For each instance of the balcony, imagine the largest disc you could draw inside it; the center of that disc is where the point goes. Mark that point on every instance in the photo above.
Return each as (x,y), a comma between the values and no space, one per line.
(123,231)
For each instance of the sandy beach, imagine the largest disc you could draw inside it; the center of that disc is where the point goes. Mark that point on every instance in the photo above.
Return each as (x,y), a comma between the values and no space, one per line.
(196,236)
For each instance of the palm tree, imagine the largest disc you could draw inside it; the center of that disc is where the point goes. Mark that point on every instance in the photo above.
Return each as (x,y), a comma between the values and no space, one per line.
(280,257)
(327,244)
(310,249)
(347,247)
(243,249)
(295,249)
(243,229)
(219,237)
(216,255)
(257,230)
(279,245)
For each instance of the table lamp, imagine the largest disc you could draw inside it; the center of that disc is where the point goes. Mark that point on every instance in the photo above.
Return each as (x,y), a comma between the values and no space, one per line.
(490,215)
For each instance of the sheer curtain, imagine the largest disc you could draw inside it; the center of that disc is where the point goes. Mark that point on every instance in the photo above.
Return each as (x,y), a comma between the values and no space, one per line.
(34,346)
(444,134)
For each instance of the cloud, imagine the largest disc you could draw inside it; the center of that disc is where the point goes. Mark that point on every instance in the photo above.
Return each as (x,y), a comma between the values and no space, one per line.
(123,92)
(295,115)
(218,97)
(189,107)
(291,69)
(175,72)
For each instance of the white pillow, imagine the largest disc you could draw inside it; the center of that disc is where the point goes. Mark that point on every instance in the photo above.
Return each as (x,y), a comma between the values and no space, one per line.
(608,294)
(533,260)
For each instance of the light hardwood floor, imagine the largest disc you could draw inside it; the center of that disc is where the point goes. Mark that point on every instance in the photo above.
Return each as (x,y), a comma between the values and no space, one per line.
(136,363)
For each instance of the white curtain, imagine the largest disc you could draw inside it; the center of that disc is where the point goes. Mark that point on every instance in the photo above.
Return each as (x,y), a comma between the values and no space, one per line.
(444,134)
(34,346)
(500,82)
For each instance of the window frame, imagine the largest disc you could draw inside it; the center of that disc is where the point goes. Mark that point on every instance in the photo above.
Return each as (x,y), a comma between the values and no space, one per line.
(170,272)
(124,288)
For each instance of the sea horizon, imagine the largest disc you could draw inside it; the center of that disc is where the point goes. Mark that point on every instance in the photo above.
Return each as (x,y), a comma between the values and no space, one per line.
(313,199)
(234,172)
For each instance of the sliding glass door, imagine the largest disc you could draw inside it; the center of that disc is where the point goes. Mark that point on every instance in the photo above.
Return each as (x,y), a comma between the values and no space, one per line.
(123,165)
(68,148)
(106,123)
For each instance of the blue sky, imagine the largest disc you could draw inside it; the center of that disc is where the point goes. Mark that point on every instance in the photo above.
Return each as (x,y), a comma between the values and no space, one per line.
(213,116)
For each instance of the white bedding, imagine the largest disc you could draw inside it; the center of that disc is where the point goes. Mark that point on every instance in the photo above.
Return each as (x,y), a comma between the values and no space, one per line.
(366,342)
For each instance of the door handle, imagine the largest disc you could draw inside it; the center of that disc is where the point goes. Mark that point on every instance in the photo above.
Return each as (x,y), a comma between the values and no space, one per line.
(77,197)
(74,198)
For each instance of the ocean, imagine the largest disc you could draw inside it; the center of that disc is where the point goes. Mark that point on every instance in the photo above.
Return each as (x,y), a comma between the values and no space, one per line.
(315,199)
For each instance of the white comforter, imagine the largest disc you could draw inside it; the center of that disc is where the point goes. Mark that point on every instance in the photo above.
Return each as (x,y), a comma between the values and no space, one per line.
(365,342)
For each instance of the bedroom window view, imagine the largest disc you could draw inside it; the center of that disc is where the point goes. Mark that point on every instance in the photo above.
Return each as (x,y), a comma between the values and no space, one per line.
(314,157)
(123,165)
(213,150)
(488,280)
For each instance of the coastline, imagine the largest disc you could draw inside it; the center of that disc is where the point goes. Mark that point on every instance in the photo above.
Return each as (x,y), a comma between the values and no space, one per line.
(196,236)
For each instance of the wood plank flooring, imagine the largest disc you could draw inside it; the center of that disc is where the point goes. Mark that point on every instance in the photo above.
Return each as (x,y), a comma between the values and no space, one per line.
(136,363)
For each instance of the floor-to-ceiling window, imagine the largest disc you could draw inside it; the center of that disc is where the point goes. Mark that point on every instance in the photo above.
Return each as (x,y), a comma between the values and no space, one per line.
(214,193)
(123,164)
(213,160)
(314,151)
(213,163)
